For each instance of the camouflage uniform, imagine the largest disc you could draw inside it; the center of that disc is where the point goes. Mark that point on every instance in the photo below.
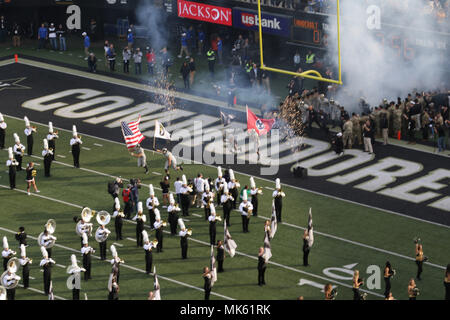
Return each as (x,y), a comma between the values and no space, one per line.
(356,128)
(348,131)
(397,121)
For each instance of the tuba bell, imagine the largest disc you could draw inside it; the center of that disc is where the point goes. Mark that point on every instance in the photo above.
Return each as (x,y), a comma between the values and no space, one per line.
(50,226)
(87,214)
(154,243)
(189,232)
(10,281)
(103,218)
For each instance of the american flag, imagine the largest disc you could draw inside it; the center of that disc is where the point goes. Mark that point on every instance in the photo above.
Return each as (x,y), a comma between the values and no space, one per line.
(131,133)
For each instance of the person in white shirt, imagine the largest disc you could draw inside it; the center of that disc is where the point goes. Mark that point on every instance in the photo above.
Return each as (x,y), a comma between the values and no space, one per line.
(151,204)
(75,143)
(51,137)
(177,184)
(3,127)
(52,36)
(29,130)
(246,209)
(233,186)
(46,263)
(185,192)
(86,251)
(219,183)
(7,253)
(278,196)
(173,210)
(199,184)
(207,198)
(19,150)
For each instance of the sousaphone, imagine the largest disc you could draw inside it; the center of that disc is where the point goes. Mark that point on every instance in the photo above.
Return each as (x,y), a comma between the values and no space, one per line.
(50,226)
(103,218)
(11,281)
(86,216)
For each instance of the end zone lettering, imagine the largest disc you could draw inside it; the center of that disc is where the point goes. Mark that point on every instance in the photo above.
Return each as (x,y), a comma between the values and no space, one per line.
(204,12)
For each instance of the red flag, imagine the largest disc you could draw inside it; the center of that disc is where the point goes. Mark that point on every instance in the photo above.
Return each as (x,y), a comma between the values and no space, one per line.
(261,126)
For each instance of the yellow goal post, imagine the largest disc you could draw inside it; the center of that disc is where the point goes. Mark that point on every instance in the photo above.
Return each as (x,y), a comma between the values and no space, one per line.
(311,74)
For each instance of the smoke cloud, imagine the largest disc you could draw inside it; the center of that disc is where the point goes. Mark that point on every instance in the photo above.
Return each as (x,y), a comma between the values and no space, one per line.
(154,18)
(376,58)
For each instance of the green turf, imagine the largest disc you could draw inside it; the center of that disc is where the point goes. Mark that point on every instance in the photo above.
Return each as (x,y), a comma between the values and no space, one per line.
(239,281)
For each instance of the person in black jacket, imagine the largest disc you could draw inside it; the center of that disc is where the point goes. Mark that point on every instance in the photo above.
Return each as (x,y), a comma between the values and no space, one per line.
(21,236)
(185,71)
(207,286)
(261,267)
(220,255)
(92,63)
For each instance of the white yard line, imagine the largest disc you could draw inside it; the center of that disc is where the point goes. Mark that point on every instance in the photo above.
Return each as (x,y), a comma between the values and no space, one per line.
(42,292)
(60,155)
(88,149)
(196,215)
(131,239)
(61,266)
(157,173)
(269,188)
(98,145)
(117,244)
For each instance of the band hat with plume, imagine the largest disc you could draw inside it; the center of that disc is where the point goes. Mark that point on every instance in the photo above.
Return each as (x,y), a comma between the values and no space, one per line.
(225,188)
(113,251)
(181,224)
(339,134)
(23,250)
(252,183)
(183,178)
(116,203)
(219,172)
(244,195)
(16,138)
(74,131)
(231,172)
(10,153)
(212,208)
(171,199)
(206,186)
(85,238)
(1,118)
(277,183)
(139,207)
(157,214)
(5,243)
(145,236)
(74,261)
(27,122)
(151,191)
(45,144)
(50,127)
(44,253)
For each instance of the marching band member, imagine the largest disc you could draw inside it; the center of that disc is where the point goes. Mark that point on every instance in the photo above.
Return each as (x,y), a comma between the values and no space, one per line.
(31,173)
(261,267)
(118,221)
(207,198)
(148,246)
(46,264)
(21,236)
(86,252)
(12,164)
(7,253)
(75,270)
(84,227)
(220,255)
(102,233)
(254,193)
(19,150)
(219,183)
(158,226)
(10,281)
(185,192)
(305,248)
(152,202)
(207,276)
(29,133)
(199,184)
(25,262)
(113,288)
(177,185)
(173,210)
(227,204)
(76,143)
(184,234)
(278,196)
(246,210)
(46,239)
(51,138)
(48,158)
(3,127)
(233,186)
(140,219)
(116,261)
(212,224)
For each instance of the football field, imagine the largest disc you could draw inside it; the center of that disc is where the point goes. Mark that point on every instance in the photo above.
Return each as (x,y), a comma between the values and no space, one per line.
(348,236)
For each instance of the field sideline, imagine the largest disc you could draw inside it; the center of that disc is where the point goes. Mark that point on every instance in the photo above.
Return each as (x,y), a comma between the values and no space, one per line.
(346,233)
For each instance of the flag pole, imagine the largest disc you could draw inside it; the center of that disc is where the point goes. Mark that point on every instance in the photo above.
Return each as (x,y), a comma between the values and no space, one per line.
(154,135)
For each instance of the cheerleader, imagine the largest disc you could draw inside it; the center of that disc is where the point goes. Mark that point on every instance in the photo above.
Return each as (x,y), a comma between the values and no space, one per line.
(388,273)
(148,246)
(419,259)
(173,210)
(413,291)
(31,173)
(357,282)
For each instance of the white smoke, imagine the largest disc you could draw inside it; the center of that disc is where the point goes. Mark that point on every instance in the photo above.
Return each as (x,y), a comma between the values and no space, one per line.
(154,18)
(376,71)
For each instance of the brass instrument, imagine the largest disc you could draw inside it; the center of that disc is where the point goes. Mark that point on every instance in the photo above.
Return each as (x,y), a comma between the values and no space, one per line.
(34,173)
(12,267)
(259,191)
(238,185)
(218,218)
(189,232)
(50,226)
(55,133)
(34,128)
(14,162)
(103,218)
(79,136)
(154,243)
(163,223)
